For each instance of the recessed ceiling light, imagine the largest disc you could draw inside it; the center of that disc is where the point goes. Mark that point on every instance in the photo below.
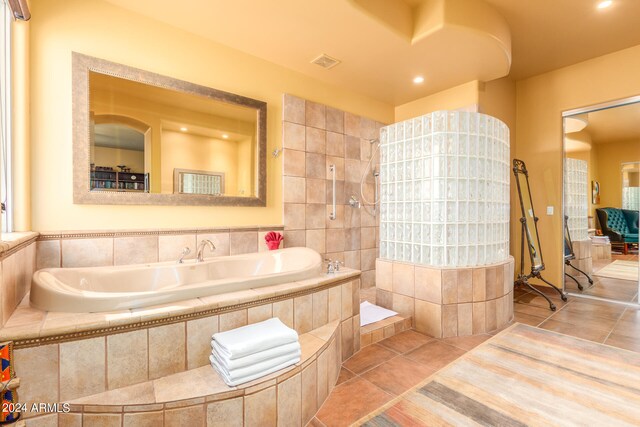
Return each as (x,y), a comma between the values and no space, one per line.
(605,4)
(225,136)
(184,129)
(418,79)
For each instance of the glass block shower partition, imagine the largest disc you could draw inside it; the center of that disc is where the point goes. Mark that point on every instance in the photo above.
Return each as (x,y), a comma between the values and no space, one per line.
(445,190)
(576,202)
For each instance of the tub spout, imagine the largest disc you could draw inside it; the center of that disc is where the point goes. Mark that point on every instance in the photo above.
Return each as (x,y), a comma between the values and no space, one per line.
(203,243)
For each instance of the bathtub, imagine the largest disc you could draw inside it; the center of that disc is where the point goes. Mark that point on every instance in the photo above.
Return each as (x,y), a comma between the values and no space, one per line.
(96,289)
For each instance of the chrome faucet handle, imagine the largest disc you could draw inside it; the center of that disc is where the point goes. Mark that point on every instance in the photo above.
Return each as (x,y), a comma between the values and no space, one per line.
(337,264)
(330,266)
(200,253)
(185,251)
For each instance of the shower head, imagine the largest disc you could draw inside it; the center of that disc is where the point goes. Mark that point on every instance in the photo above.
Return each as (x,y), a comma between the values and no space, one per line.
(374,141)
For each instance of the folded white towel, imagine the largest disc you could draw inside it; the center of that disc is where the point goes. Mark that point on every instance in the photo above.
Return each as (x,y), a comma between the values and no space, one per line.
(254,338)
(251,359)
(234,374)
(234,382)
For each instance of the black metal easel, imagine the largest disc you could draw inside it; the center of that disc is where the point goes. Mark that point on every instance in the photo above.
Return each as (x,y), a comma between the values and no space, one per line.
(529,222)
(569,255)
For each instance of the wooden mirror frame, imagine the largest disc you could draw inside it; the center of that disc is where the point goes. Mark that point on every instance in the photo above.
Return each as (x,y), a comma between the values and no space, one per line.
(82,65)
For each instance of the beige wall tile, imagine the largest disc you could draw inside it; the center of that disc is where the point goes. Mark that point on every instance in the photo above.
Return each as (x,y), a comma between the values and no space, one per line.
(69,420)
(320,308)
(384,274)
(102,420)
(50,420)
(293,239)
(334,306)
(293,109)
(37,368)
(316,165)
(170,247)
(352,124)
(294,189)
(384,298)
(199,332)
(335,120)
(490,316)
(243,242)
(294,216)
(449,286)
(259,313)
(428,284)
(9,284)
(127,359)
(351,215)
(465,319)
(290,402)
(220,241)
(143,419)
(315,216)
(368,279)
(316,190)
(368,259)
(479,318)
(346,333)
(303,313)
(315,239)
(232,320)
(225,413)
(352,259)
(492,292)
(403,277)
(356,333)
(355,296)
(293,163)
(188,416)
(352,237)
(347,300)
(293,136)
(428,318)
(367,238)
(323,376)
(500,312)
(87,252)
(403,305)
(507,278)
(309,379)
(333,362)
(316,140)
(335,144)
(82,366)
(465,285)
(479,284)
(135,250)
(315,115)
(165,359)
(352,147)
(47,254)
(283,310)
(352,169)
(366,218)
(260,409)
(335,240)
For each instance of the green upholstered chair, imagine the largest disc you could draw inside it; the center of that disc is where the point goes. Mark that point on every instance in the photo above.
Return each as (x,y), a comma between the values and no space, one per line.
(621,225)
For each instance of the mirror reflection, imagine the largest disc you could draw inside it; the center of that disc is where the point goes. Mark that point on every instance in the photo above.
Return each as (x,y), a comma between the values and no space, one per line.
(146,138)
(601,189)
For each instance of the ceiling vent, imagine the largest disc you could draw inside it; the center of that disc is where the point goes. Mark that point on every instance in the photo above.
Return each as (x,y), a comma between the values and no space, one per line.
(325,61)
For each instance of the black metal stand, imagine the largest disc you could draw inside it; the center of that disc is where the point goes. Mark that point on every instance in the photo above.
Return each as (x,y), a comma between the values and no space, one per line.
(568,262)
(569,255)
(523,279)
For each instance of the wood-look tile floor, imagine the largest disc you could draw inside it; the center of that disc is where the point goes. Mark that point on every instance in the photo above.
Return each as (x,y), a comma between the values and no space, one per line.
(606,287)
(382,371)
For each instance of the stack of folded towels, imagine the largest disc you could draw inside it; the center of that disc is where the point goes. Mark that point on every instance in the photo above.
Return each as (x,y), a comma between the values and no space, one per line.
(250,352)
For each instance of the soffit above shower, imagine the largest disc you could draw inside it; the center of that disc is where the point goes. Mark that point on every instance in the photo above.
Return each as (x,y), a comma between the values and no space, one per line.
(382,44)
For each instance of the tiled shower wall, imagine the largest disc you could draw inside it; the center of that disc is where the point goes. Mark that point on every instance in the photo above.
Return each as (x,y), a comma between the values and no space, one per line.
(314,137)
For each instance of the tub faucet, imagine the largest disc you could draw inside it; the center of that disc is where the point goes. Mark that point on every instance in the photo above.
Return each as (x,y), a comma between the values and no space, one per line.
(200,253)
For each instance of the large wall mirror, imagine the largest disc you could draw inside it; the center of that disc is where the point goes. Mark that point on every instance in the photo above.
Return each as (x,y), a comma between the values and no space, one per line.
(143,138)
(601,200)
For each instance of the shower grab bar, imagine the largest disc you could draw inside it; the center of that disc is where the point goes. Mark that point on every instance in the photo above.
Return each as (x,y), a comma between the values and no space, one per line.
(332,169)
(375,190)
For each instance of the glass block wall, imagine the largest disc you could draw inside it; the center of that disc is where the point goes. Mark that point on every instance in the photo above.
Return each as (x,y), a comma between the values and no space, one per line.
(445,190)
(576,202)
(631,198)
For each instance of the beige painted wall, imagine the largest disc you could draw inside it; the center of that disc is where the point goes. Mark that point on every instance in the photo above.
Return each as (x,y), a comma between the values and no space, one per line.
(462,96)
(96,28)
(105,156)
(540,103)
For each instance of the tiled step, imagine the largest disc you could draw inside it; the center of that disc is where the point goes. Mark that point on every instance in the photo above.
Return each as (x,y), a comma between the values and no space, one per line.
(374,332)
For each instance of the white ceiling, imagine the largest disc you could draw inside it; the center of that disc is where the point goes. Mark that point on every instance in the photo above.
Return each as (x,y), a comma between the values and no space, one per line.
(379,56)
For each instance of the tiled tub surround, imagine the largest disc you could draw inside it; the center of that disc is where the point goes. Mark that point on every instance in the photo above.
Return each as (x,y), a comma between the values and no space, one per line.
(123,247)
(67,356)
(448,302)
(314,137)
(18,259)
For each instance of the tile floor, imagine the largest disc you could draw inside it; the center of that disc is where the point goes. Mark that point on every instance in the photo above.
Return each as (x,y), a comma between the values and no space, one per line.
(382,371)
(606,287)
